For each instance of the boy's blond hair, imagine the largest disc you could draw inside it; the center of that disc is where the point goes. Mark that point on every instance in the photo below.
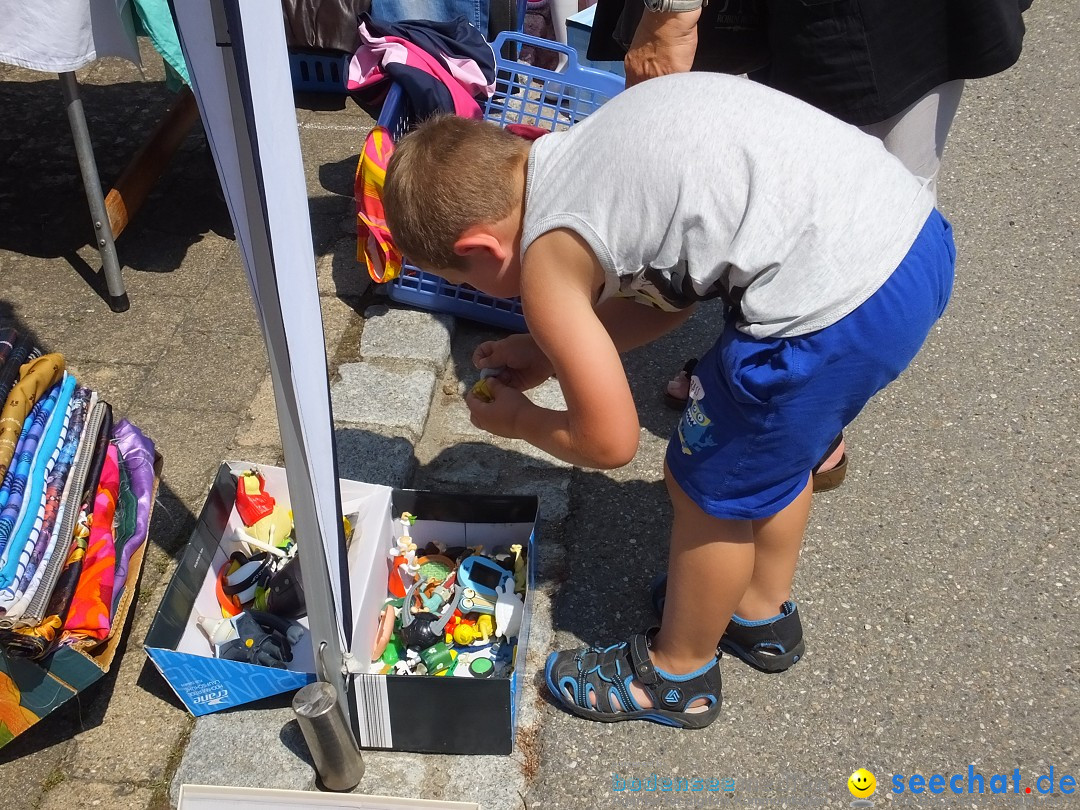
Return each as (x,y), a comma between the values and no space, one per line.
(448,175)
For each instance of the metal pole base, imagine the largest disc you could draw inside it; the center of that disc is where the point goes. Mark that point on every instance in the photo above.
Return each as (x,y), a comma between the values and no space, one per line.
(322,721)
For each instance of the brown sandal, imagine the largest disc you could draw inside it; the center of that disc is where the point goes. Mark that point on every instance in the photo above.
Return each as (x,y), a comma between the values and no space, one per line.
(679,403)
(824,480)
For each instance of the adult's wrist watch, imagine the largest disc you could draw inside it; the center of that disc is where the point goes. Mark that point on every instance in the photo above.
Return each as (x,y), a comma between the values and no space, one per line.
(673,6)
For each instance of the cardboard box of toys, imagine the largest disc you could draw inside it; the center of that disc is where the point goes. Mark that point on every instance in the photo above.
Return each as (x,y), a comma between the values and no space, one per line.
(32,689)
(439,591)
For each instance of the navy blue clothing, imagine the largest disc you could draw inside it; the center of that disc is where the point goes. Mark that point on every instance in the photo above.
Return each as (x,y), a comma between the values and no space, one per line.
(861,60)
(457,39)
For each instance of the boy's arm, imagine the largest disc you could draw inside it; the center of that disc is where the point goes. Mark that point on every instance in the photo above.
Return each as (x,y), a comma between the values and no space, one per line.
(599,428)
(631,324)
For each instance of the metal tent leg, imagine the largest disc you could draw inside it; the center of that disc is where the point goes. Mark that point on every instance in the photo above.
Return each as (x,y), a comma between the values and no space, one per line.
(103,235)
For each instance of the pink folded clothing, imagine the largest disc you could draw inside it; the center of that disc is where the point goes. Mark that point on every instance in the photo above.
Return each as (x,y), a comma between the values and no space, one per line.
(440,67)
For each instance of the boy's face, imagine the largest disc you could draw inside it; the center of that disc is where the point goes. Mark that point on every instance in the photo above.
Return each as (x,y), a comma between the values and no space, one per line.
(487,275)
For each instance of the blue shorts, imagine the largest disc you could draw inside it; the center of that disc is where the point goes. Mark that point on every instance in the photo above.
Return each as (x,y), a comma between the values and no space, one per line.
(767,409)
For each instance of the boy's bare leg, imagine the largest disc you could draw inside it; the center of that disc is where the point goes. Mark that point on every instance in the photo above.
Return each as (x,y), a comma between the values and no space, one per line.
(777,541)
(711,565)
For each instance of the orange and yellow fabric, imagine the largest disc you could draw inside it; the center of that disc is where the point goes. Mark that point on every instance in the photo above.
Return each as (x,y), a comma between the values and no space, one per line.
(375,246)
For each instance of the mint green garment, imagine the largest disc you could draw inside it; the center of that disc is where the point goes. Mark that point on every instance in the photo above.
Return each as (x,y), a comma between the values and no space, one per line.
(153,19)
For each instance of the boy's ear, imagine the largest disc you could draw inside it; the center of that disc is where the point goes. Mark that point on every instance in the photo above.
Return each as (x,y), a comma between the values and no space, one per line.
(480,240)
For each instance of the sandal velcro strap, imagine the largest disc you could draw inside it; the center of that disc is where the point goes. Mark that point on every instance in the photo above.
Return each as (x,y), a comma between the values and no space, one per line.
(595,682)
(639,659)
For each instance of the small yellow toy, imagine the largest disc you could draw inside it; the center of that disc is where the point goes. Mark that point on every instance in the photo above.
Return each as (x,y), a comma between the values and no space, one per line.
(482,391)
(479,633)
(519,568)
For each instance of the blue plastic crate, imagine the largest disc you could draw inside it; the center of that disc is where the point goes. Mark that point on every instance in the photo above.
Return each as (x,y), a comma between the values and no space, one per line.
(319,71)
(523,95)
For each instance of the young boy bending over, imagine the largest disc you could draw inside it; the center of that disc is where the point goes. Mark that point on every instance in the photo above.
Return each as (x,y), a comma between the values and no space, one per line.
(833,264)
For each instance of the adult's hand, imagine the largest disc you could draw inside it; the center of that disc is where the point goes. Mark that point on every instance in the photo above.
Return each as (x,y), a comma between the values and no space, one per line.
(663,43)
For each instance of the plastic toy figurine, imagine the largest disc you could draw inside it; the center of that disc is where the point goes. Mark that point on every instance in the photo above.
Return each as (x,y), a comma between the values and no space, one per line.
(265,520)
(433,595)
(481,389)
(509,610)
(424,630)
(436,576)
(252,637)
(405,567)
(468,634)
(409,664)
(520,570)
(243,582)
(385,631)
(439,658)
(479,580)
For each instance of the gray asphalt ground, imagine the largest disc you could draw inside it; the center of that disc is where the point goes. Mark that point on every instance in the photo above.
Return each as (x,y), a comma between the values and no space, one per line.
(938,586)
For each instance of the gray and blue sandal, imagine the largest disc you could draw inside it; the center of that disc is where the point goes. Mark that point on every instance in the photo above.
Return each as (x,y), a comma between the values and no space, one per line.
(769,645)
(594,682)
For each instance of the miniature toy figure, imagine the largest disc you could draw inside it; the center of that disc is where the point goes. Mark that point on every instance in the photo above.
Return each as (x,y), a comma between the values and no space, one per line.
(509,609)
(252,637)
(266,521)
(405,568)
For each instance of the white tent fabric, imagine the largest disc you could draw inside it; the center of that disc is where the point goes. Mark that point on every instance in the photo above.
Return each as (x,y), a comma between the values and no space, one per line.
(237,57)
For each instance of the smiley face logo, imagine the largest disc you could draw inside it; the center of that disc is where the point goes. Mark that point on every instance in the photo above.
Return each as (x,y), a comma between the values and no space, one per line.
(862,784)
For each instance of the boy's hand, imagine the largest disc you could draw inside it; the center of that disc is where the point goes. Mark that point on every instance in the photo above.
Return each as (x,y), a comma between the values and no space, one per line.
(499,414)
(663,44)
(523,365)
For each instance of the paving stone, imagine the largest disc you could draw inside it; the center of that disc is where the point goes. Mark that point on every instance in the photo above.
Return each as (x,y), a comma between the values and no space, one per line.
(131,732)
(500,789)
(107,795)
(373,458)
(396,402)
(159,265)
(32,760)
(340,319)
(191,443)
(394,773)
(173,520)
(326,230)
(276,754)
(120,384)
(456,421)
(340,273)
(406,334)
(191,373)
(269,455)
(226,305)
(554,496)
(466,466)
(140,335)
(261,428)
(46,317)
(548,395)
(532,456)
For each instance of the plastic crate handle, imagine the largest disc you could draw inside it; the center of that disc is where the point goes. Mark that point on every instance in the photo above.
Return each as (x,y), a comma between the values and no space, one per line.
(599,81)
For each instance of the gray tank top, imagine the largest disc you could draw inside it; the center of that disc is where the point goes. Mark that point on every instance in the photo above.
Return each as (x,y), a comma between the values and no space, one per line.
(698,185)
